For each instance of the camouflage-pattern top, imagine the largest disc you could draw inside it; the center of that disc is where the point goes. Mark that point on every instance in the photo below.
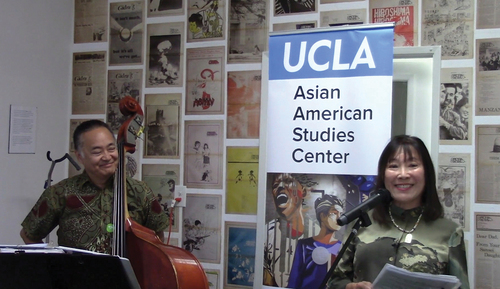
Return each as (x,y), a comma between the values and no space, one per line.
(83,212)
(436,247)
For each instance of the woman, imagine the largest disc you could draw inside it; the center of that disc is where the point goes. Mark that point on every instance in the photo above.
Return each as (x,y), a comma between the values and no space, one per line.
(409,232)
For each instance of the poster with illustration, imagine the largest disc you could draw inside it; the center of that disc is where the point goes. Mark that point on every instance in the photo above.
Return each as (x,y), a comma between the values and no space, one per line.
(240,254)
(121,83)
(242,171)
(403,13)
(243,104)
(205,80)
(455,106)
(247,31)
(164,54)
(158,8)
(162,179)
(202,227)
(287,7)
(206,20)
(453,184)
(203,151)
(162,124)
(126,33)
(213,278)
(302,209)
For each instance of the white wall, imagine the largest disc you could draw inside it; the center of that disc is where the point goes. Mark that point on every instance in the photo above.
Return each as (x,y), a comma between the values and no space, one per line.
(35,71)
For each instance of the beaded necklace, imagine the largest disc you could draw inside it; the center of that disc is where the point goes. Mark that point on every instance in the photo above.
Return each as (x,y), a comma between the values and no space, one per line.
(409,236)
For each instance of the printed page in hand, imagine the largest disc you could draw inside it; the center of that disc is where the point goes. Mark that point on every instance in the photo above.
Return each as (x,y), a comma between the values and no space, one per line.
(392,277)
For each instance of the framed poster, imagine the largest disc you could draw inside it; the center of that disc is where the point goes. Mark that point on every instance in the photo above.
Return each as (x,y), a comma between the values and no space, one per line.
(121,83)
(126,26)
(486,250)
(203,148)
(342,17)
(206,21)
(286,7)
(247,31)
(205,80)
(403,13)
(165,7)
(487,164)
(455,125)
(239,256)
(162,125)
(243,104)
(242,180)
(164,54)
(89,83)
(487,74)
(453,184)
(202,227)
(449,24)
(162,179)
(91,19)
(213,278)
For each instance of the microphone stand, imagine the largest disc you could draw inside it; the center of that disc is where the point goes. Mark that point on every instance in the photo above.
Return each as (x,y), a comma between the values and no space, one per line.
(362,221)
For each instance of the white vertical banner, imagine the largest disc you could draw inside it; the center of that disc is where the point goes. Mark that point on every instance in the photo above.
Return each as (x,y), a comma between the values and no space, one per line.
(329,100)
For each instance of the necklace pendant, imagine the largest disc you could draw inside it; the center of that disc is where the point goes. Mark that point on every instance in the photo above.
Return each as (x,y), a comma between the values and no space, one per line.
(408,238)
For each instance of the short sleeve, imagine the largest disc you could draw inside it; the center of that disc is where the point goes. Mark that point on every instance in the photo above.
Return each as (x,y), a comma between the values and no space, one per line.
(45,214)
(145,208)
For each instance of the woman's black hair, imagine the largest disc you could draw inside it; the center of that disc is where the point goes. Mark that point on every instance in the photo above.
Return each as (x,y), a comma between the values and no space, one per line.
(430,200)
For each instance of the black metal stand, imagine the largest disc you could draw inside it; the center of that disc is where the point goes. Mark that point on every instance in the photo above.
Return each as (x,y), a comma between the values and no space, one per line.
(53,164)
(362,221)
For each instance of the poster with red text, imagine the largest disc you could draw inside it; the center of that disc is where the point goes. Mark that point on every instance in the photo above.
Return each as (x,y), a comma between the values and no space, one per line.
(403,13)
(205,80)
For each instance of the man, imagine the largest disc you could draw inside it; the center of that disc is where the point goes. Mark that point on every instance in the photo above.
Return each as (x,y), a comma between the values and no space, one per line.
(82,206)
(288,195)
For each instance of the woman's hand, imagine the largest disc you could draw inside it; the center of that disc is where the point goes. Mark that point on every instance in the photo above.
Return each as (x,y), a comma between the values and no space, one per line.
(359,285)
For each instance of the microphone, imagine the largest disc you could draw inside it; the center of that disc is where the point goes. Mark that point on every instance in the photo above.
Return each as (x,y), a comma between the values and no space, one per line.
(381,196)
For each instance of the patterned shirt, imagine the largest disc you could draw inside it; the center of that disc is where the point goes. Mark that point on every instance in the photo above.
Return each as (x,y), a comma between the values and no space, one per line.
(83,212)
(436,247)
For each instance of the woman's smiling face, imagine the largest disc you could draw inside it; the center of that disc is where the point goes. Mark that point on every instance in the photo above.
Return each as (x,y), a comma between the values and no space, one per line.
(405,179)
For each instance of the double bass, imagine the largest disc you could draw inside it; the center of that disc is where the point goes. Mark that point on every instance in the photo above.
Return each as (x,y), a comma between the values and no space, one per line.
(155,264)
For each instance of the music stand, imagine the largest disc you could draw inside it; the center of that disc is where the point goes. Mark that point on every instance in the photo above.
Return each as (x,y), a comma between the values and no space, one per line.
(22,267)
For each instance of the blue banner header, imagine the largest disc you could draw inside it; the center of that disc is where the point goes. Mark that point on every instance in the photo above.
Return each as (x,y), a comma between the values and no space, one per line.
(332,53)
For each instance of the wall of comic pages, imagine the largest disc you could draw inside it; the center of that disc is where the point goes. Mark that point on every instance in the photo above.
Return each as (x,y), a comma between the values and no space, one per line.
(195,67)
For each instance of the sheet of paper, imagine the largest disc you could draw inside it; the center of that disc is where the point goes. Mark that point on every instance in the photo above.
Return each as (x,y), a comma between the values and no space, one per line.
(392,277)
